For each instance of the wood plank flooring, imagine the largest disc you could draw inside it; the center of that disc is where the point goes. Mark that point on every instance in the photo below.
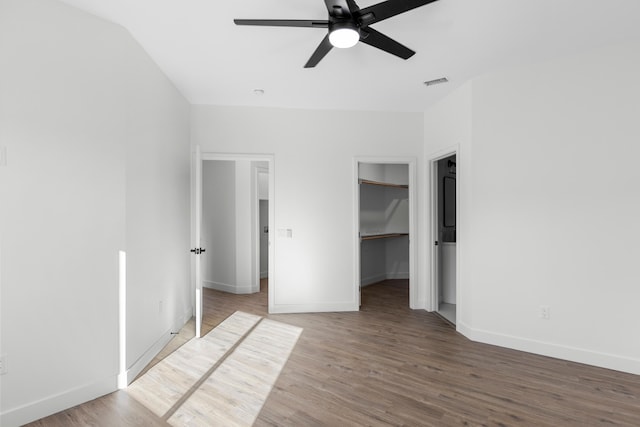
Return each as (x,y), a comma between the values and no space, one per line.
(389,365)
(167,383)
(236,390)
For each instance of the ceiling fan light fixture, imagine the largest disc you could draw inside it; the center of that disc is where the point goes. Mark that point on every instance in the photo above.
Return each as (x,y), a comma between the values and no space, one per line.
(344,35)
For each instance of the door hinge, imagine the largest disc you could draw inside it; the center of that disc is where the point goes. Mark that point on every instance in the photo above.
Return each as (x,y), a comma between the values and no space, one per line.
(436,243)
(198,251)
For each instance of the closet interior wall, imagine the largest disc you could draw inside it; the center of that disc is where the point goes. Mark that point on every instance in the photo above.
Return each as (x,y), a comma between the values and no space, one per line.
(384,222)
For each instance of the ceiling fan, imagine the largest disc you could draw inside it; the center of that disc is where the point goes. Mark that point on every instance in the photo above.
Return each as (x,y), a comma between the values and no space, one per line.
(347,24)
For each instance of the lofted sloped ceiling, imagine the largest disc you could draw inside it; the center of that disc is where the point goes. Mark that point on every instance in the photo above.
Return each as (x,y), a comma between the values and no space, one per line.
(212,61)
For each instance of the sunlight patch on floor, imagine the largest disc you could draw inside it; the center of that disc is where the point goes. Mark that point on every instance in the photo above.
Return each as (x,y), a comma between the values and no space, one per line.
(164,384)
(222,379)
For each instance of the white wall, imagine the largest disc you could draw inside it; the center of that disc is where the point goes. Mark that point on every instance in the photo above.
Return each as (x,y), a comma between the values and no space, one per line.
(396,211)
(314,153)
(373,209)
(396,174)
(246,212)
(229,216)
(373,261)
(264,238)
(371,171)
(158,215)
(562,231)
(447,127)
(219,224)
(263,183)
(81,111)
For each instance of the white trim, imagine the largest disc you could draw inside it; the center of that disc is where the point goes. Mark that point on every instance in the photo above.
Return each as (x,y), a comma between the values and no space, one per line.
(225,287)
(398,275)
(559,351)
(122,320)
(272,227)
(257,157)
(58,402)
(371,280)
(357,280)
(257,232)
(198,240)
(413,214)
(156,347)
(148,356)
(314,308)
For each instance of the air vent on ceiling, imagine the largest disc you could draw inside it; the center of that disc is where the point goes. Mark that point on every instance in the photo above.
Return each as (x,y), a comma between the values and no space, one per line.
(436,81)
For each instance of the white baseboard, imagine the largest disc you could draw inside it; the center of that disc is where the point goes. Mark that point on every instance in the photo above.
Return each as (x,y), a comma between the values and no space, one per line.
(573,354)
(264,274)
(153,351)
(225,287)
(370,280)
(313,308)
(398,275)
(59,402)
(76,396)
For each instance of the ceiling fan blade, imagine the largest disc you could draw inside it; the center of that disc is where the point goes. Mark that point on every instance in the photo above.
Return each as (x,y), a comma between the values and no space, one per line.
(323,48)
(283,23)
(353,6)
(338,8)
(377,39)
(387,9)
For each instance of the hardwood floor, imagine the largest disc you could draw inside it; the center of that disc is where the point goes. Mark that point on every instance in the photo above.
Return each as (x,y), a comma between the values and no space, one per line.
(389,365)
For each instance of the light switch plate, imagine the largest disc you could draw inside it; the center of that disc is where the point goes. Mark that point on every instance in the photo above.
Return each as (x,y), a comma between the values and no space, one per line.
(286,233)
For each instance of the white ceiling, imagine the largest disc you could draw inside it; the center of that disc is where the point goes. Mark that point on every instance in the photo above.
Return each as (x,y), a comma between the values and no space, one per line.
(213,61)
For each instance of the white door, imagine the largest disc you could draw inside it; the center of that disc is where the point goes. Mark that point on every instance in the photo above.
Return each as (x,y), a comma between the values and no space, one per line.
(198,249)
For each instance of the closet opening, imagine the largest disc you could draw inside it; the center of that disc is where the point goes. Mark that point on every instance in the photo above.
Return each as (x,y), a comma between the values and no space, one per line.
(385,225)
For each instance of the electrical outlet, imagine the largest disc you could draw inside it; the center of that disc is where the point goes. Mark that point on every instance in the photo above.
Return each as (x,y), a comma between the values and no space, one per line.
(160,306)
(3,364)
(545,312)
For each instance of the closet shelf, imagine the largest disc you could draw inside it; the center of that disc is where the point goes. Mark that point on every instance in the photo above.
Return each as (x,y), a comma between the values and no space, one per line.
(382,236)
(383,184)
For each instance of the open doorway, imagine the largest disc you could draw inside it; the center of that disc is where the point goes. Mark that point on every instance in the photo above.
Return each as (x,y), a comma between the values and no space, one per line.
(385,195)
(232,246)
(230,221)
(444,226)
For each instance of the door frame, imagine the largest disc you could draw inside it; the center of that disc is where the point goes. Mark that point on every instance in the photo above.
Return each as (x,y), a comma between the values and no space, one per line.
(256,221)
(195,215)
(413,237)
(433,226)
